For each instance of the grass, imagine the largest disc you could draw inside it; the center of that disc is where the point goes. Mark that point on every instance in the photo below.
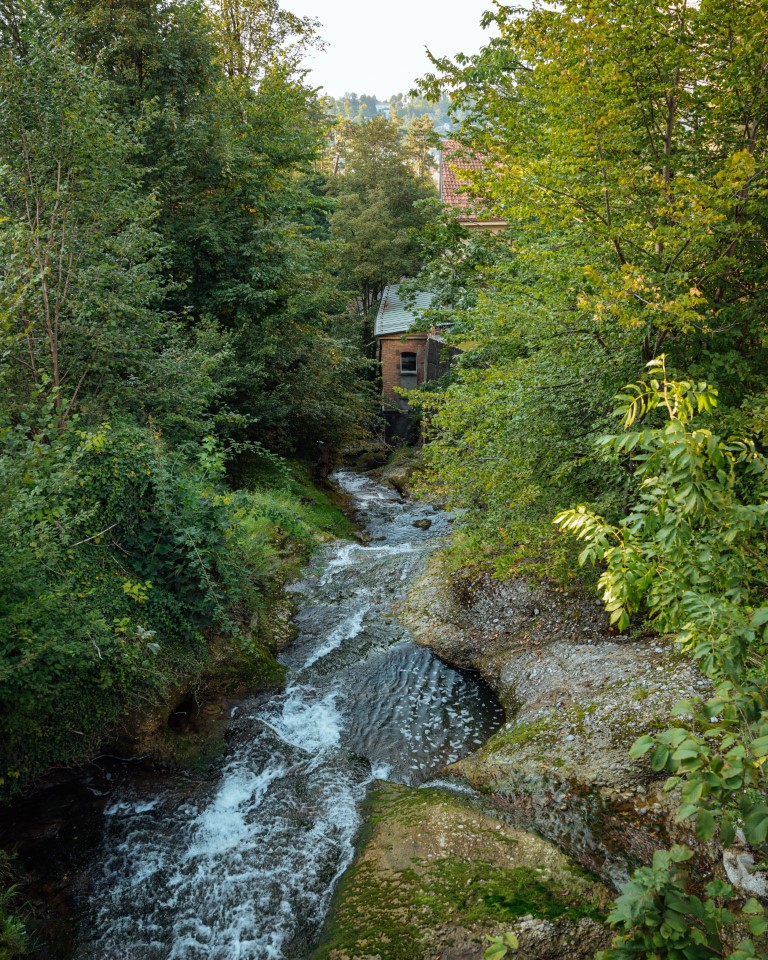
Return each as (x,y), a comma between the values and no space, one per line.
(289,499)
(531,550)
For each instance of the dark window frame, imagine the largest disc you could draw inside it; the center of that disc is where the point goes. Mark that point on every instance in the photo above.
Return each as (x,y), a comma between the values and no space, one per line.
(409,371)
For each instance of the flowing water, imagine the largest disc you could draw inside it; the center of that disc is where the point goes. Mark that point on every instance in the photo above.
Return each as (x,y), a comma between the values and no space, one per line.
(244,868)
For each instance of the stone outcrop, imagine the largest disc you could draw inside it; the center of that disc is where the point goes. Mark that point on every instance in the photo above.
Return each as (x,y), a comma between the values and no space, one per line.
(576,696)
(437,875)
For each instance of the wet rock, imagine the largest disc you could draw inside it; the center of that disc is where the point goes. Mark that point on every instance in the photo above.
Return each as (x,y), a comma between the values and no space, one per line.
(424,524)
(576,697)
(438,873)
(398,473)
(740,868)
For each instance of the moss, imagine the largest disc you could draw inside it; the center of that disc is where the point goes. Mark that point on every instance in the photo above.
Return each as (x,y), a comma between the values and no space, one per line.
(434,866)
(388,915)
(522,734)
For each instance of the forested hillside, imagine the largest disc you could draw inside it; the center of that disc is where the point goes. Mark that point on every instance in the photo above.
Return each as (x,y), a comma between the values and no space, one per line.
(406,108)
(173,324)
(617,380)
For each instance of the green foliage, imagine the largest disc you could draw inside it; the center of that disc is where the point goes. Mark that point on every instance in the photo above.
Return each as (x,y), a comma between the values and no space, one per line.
(691,550)
(119,554)
(625,144)
(408,108)
(80,257)
(500,946)
(631,181)
(13,937)
(661,919)
(14,941)
(168,306)
(691,546)
(381,179)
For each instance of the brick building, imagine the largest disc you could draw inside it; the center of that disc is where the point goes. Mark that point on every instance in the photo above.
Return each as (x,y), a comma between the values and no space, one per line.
(408,356)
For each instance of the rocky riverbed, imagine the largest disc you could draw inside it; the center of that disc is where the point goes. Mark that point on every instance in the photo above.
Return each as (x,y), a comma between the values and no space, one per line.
(550,815)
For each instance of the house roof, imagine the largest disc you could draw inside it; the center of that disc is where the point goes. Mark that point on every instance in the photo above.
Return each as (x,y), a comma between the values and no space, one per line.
(393,315)
(451,182)
(454,159)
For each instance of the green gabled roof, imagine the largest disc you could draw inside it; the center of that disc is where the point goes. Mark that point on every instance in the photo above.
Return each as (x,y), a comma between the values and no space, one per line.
(393,315)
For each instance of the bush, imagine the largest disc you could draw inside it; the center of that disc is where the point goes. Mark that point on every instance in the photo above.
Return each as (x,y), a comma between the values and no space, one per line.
(116,556)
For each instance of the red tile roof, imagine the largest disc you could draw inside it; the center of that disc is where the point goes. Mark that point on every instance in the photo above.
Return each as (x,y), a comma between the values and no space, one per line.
(454,159)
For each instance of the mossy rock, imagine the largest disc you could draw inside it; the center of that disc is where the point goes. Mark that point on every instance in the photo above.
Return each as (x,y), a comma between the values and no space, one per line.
(437,874)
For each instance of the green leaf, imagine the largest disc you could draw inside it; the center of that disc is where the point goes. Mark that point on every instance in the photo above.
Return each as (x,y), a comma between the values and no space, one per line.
(752,907)
(759,617)
(495,952)
(641,746)
(727,831)
(756,826)
(705,825)
(659,758)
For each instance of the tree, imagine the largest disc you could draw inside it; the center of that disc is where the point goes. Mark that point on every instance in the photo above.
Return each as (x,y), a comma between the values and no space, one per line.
(257,35)
(636,134)
(80,285)
(379,206)
(227,150)
(625,145)
(421,141)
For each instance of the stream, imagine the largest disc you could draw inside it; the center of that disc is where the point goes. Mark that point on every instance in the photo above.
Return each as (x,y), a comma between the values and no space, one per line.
(243,867)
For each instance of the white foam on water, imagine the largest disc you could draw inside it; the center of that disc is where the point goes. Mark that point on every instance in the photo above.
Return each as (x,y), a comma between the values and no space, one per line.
(244,868)
(229,877)
(305,720)
(348,629)
(122,807)
(454,786)
(341,557)
(224,824)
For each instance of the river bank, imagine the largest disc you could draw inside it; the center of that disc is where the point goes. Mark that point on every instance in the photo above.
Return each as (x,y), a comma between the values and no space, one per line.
(56,821)
(555,781)
(577,695)
(241,857)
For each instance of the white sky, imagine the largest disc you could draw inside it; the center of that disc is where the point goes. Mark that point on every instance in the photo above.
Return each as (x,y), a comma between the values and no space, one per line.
(378,48)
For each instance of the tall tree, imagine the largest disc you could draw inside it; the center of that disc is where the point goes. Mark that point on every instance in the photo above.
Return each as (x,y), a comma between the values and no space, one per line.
(626,147)
(256,35)
(379,207)
(80,286)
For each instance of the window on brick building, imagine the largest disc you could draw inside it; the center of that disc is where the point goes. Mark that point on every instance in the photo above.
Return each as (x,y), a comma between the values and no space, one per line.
(408,363)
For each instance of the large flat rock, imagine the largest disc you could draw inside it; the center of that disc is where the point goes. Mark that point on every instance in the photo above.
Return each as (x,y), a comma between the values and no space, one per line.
(437,874)
(576,696)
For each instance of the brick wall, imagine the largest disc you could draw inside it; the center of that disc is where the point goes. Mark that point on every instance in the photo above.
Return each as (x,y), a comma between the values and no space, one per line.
(390,349)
